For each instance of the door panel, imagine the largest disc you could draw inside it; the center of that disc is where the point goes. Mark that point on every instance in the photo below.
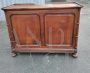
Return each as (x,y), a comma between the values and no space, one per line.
(59,29)
(26,29)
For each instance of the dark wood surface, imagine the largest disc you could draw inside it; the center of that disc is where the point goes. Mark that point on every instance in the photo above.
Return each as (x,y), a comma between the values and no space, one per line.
(48,28)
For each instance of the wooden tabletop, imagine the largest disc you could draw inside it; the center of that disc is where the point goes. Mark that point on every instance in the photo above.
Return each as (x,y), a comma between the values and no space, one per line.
(44,6)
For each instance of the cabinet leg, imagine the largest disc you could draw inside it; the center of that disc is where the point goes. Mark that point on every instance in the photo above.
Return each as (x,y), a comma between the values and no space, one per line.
(14,54)
(75,55)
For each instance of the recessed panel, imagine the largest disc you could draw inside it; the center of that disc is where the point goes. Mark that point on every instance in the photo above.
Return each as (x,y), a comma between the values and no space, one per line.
(26,29)
(59,29)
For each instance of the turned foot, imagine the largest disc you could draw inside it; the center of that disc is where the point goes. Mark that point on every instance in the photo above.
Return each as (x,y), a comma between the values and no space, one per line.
(75,55)
(14,54)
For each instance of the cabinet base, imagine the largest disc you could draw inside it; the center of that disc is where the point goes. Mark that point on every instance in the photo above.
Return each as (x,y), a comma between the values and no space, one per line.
(75,55)
(14,54)
(71,51)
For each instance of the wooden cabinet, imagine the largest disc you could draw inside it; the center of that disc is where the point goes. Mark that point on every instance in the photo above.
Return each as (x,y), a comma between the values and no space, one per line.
(49,28)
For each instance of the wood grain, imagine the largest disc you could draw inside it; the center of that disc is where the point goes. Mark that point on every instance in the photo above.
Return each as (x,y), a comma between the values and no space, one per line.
(47,28)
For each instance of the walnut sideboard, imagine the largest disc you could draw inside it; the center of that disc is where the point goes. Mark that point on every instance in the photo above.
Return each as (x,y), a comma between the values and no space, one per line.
(51,28)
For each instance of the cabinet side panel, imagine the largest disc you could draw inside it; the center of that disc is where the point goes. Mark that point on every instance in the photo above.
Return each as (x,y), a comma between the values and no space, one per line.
(10,31)
(76,28)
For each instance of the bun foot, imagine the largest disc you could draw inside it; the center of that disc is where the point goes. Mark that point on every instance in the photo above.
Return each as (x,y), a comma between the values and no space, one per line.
(74,55)
(14,54)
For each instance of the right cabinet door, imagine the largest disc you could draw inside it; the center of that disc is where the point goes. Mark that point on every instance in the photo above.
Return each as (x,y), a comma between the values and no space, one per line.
(59,29)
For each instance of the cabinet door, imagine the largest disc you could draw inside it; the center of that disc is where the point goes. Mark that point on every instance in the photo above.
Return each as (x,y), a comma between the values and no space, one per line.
(26,29)
(59,29)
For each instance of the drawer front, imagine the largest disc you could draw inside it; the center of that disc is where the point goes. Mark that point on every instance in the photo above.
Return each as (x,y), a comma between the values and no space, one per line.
(59,29)
(26,29)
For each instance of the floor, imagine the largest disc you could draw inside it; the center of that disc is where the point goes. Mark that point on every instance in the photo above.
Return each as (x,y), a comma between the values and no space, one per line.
(48,63)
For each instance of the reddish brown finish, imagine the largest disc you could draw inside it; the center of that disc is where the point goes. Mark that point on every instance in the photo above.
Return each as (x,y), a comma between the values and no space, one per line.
(58,27)
(26,29)
(49,28)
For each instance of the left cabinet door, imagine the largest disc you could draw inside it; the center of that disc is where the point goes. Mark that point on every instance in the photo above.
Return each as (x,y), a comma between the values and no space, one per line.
(26,29)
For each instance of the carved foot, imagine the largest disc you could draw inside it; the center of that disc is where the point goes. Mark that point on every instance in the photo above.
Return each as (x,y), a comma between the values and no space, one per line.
(75,55)
(14,54)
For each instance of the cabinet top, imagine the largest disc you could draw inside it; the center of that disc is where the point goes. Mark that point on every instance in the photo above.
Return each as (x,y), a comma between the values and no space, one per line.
(51,5)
